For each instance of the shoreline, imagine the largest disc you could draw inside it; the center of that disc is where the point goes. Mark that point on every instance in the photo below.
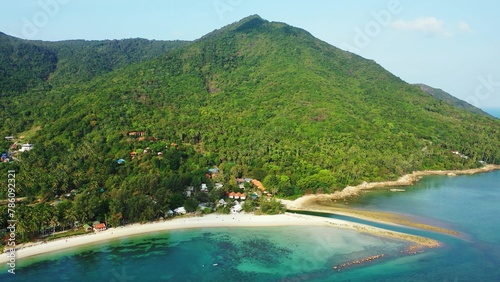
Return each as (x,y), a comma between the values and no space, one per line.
(213,221)
(322,202)
(304,202)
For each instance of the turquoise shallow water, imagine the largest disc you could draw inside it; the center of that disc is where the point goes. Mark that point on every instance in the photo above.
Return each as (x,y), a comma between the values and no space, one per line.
(468,204)
(244,254)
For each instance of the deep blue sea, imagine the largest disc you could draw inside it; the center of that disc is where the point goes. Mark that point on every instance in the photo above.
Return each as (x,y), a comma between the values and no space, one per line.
(493,112)
(468,204)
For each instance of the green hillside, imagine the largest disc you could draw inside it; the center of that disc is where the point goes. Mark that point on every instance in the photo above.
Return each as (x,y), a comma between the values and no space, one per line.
(256,99)
(450,99)
(23,65)
(27,65)
(80,60)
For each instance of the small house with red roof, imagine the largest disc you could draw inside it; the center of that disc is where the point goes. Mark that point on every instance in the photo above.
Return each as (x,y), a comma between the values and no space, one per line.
(258,184)
(100,227)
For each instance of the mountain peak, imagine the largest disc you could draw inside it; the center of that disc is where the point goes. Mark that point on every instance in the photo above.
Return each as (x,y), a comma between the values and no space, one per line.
(245,24)
(249,22)
(252,17)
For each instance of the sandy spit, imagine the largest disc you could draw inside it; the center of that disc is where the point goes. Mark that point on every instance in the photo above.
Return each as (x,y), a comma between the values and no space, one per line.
(304,202)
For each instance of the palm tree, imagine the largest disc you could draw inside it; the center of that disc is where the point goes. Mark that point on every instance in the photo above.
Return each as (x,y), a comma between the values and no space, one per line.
(70,216)
(274,189)
(53,223)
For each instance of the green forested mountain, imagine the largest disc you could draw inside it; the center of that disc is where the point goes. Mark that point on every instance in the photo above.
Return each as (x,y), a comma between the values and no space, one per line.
(23,65)
(450,99)
(26,65)
(256,99)
(80,60)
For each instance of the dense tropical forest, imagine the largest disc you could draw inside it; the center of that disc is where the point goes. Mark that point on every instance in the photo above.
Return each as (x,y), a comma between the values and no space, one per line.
(120,129)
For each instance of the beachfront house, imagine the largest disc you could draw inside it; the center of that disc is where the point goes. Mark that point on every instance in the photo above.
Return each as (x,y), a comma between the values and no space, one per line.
(100,227)
(236,208)
(87,228)
(180,210)
(169,213)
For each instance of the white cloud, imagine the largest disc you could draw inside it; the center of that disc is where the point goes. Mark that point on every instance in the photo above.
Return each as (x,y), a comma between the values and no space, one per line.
(429,25)
(463,26)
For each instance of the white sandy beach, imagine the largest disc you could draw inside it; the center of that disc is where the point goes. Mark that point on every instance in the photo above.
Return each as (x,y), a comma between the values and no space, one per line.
(208,221)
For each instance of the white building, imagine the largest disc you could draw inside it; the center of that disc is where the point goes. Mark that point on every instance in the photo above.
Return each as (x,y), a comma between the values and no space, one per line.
(170,213)
(236,208)
(221,203)
(189,191)
(204,188)
(180,210)
(26,147)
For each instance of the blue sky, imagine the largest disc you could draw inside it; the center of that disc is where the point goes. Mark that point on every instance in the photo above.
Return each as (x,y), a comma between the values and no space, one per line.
(452,45)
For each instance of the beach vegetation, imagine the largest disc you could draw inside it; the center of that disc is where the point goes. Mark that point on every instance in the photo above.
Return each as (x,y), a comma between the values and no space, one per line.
(191,205)
(65,234)
(249,205)
(270,206)
(224,209)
